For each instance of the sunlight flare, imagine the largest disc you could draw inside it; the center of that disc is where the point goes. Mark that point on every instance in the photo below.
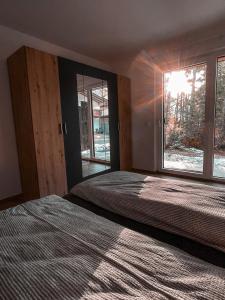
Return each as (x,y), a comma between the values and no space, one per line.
(177,83)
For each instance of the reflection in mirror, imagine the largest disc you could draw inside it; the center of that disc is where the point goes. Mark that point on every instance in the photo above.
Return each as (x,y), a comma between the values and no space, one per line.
(94,124)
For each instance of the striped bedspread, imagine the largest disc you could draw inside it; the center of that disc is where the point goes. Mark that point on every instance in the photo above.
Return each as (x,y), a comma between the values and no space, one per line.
(53,249)
(192,210)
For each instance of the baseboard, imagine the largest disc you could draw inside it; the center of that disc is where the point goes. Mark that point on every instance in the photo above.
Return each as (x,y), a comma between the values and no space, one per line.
(144,172)
(11,201)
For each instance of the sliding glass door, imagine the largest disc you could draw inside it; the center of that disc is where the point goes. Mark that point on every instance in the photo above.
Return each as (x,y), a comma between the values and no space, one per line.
(219,128)
(184,118)
(193,114)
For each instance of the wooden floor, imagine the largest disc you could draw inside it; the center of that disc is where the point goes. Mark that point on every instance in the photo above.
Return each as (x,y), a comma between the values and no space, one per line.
(90,168)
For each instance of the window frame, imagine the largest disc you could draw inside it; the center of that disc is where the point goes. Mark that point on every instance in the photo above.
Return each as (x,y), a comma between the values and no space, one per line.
(210,101)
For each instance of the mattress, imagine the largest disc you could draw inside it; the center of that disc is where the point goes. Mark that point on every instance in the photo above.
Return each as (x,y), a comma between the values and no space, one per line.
(53,249)
(197,249)
(195,211)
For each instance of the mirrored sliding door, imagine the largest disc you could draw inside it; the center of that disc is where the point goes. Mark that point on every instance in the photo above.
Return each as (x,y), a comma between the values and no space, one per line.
(94,124)
(90,120)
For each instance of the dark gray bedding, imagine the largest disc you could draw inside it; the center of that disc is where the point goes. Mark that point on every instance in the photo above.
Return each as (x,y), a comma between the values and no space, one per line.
(195,211)
(53,249)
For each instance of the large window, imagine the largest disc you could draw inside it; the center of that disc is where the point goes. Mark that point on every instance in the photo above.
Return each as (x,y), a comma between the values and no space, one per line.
(193,128)
(184,118)
(219,130)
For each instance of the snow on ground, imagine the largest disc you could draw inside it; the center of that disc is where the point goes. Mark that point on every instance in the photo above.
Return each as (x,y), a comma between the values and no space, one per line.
(192,161)
(187,160)
(102,147)
(102,152)
(219,163)
(183,161)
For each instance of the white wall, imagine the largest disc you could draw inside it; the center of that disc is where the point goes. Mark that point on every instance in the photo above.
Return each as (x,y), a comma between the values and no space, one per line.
(141,72)
(10,41)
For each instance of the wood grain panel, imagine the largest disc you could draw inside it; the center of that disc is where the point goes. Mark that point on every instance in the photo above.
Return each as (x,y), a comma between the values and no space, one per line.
(124,101)
(23,124)
(46,115)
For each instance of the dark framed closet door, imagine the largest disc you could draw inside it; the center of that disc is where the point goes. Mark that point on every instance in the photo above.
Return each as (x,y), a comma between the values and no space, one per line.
(100,145)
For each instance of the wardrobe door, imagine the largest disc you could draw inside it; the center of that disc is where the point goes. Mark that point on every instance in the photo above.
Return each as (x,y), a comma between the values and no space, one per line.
(124,100)
(37,113)
(90,120)
(20,96)
(45,103)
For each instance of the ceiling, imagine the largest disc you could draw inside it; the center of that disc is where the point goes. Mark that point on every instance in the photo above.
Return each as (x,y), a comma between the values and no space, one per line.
(108,29)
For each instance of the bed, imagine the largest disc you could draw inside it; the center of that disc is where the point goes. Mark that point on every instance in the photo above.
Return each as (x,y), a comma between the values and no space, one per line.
(51,248)
(192,210)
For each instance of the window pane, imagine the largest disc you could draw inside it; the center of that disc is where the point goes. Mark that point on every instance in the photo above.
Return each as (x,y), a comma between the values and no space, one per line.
(84,120)
(184,118)
(219,133)
(101,122)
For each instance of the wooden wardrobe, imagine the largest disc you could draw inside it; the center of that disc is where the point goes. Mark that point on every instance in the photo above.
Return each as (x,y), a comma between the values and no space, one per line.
(36,101)
(36,105)
(124,101)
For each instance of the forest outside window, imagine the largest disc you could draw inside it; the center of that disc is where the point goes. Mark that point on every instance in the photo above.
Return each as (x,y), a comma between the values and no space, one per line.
(193,129)
(219,128)
(184,118)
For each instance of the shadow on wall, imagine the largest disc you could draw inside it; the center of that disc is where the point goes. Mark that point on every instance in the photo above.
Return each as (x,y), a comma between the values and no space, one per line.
(141,69)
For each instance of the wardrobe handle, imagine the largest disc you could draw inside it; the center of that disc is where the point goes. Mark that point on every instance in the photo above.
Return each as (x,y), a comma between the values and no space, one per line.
(63,128)
(60,128)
